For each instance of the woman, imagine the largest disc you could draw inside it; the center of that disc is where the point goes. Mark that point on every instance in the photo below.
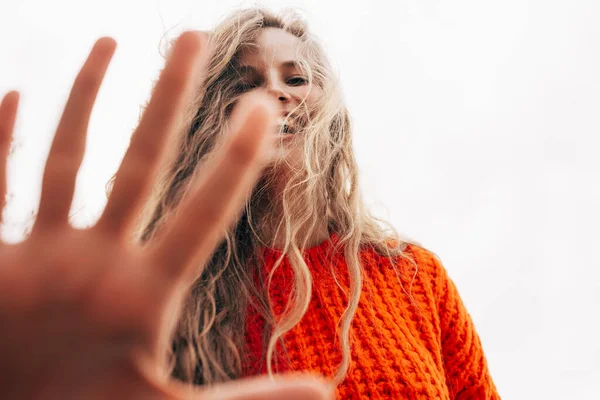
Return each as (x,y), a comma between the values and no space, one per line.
(302,255)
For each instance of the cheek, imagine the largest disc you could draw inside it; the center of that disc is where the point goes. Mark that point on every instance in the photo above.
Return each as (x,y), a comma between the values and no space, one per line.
(312,95)
(295,157)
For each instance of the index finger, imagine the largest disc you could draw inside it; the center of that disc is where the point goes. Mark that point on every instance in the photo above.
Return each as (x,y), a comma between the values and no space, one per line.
(150,141)
(218,195)
(8,115)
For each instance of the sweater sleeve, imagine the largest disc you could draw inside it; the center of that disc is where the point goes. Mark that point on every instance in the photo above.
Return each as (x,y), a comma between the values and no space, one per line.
(465,365)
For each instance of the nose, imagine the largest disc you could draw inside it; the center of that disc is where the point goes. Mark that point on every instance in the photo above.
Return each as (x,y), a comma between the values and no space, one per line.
(279,93)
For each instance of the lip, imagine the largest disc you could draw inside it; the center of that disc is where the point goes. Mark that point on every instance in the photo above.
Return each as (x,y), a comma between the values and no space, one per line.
(279,126)
(283,135)
(283,119)
(281,140)
(288,119)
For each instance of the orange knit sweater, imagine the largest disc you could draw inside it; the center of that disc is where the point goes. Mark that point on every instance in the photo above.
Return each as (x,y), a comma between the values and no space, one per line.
(424,348)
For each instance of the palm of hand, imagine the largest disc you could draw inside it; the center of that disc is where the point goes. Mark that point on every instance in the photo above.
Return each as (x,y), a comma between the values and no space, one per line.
(88,314)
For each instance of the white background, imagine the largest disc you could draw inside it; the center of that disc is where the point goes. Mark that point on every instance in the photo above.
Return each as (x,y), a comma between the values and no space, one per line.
(477,129)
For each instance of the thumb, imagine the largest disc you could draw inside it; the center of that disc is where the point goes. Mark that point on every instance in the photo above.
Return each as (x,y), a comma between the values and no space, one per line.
(293,386)
(262,388)
(288,387)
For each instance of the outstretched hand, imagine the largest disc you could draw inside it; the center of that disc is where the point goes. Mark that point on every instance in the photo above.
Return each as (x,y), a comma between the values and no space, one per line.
(86,313)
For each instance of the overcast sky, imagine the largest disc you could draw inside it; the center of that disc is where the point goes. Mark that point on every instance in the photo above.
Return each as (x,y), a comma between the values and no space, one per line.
(477,133)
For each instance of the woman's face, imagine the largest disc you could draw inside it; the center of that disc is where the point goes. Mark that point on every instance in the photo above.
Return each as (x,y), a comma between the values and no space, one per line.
(272,66)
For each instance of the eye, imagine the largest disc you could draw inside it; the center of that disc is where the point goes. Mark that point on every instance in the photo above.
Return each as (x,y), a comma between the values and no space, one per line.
(243,87)
(296,81)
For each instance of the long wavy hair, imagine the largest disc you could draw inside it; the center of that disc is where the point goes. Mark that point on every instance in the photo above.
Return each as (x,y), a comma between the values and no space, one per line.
(208,343)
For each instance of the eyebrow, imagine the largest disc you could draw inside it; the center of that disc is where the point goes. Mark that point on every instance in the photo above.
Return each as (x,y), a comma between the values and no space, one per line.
(284,64)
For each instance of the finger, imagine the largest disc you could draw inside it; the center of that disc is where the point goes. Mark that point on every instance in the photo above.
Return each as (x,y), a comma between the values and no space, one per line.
(217,197)
(263,388)
(8,115)
(154,133)
(68,145)
(292,386)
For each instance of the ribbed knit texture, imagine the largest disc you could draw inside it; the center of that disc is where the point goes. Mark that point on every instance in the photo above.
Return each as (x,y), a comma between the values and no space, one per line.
(410,338)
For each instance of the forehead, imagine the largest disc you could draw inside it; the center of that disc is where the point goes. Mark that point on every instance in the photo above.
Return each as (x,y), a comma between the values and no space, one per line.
(272,45)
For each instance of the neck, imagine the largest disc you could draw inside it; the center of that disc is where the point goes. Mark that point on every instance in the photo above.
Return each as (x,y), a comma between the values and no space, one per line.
(273,219)
(269,234)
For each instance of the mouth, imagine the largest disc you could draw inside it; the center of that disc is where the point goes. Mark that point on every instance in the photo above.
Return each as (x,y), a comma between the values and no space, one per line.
(284,128)
(287,130)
